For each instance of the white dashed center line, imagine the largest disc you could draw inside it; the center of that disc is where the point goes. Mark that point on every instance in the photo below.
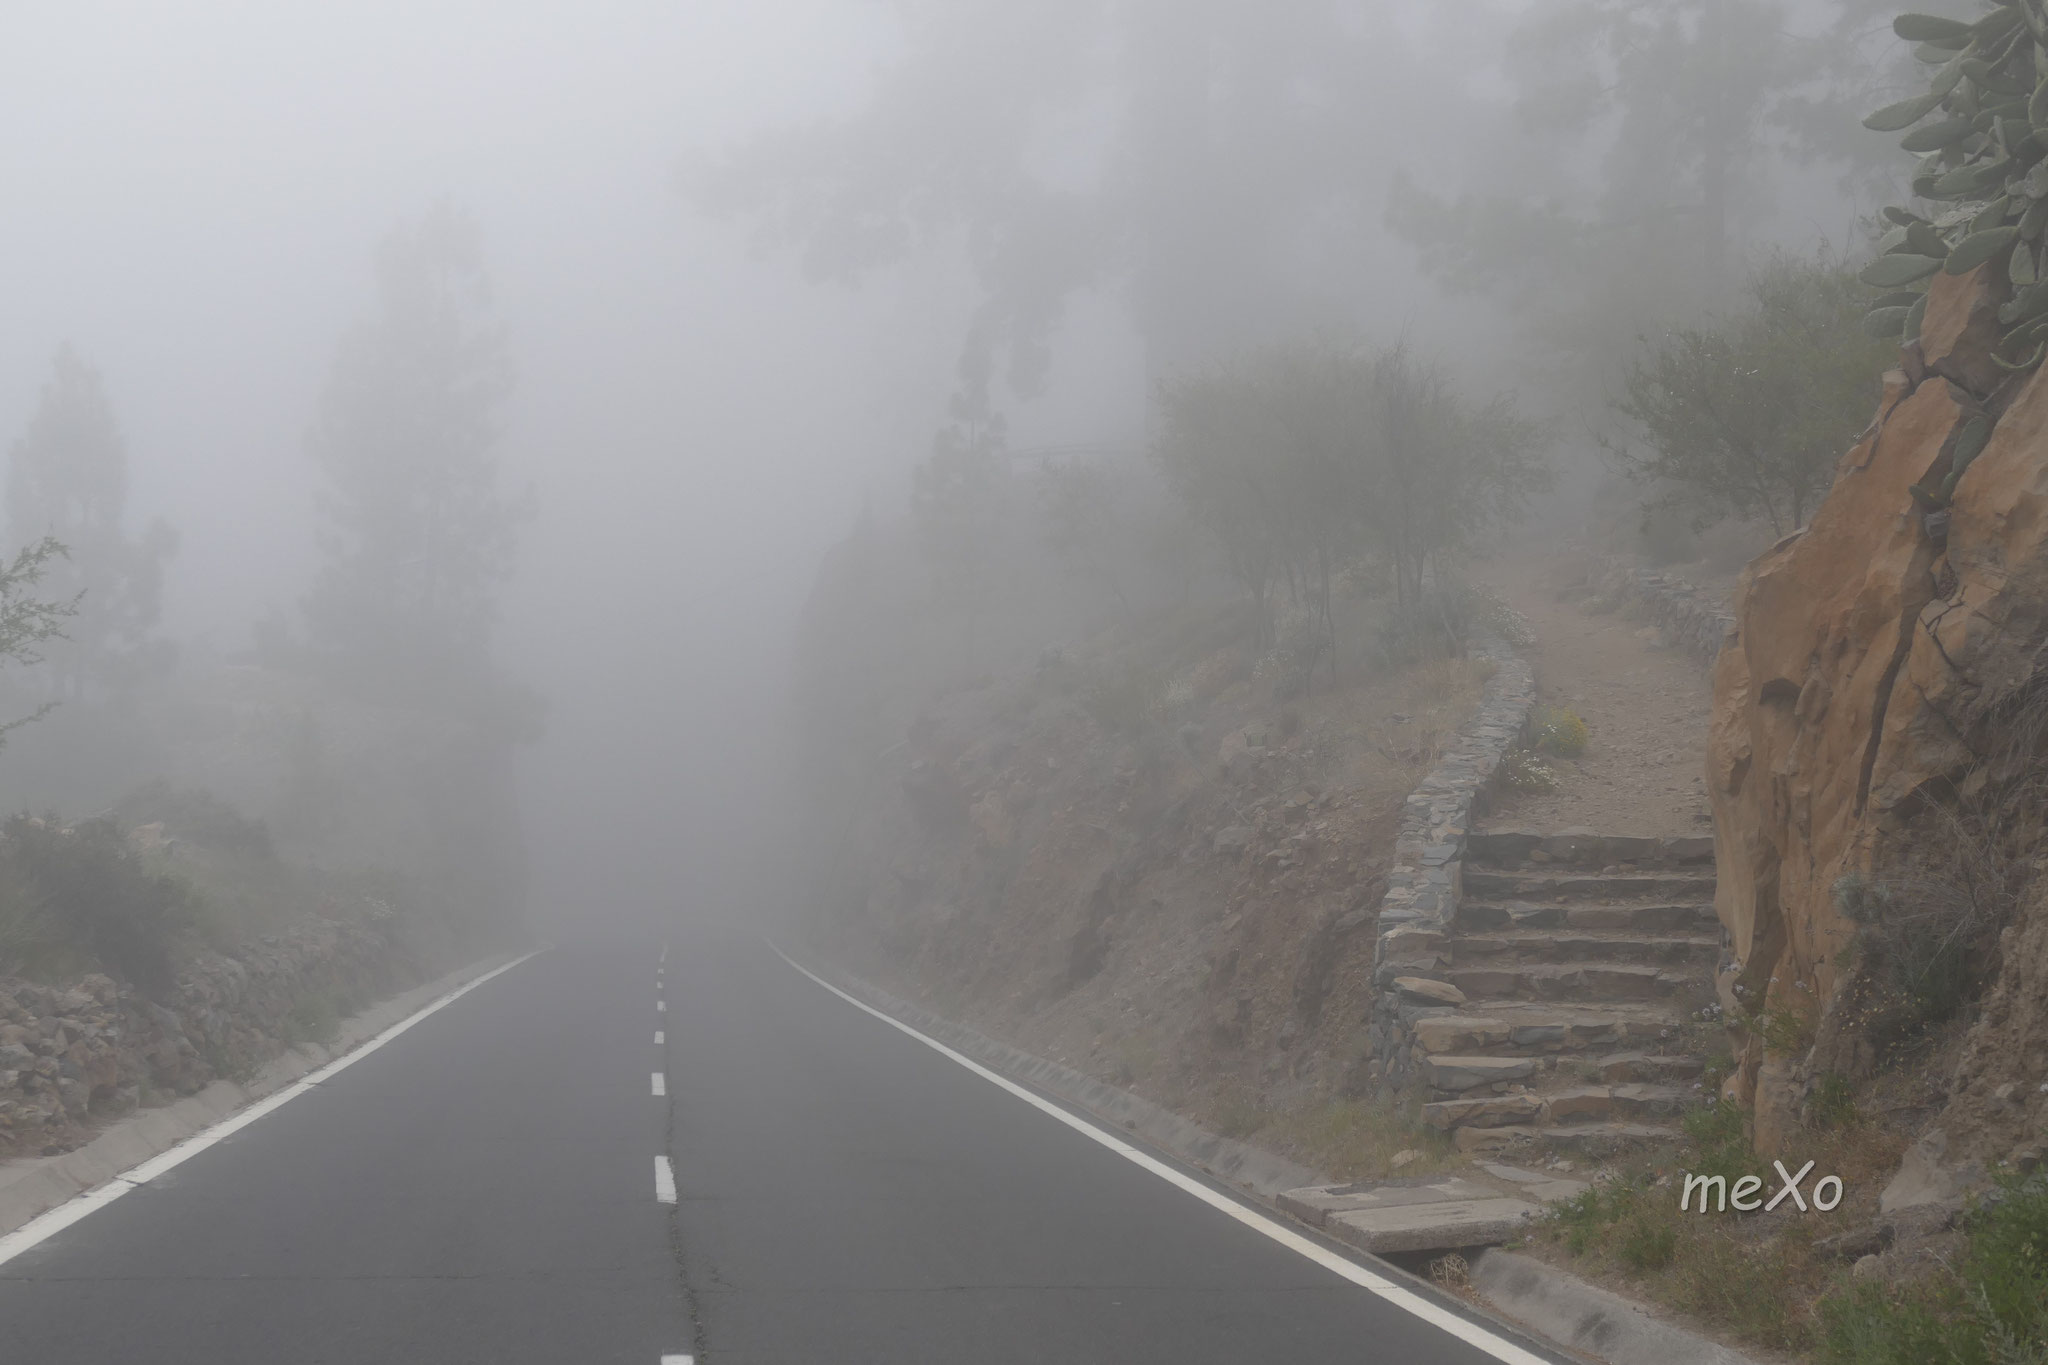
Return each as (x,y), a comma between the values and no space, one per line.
(658,1039)
(675,1360)
(661,1005)
(660,1084)
(664,1181)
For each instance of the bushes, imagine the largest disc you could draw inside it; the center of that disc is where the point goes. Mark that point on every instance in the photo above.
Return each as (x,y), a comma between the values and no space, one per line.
(1991,1310)
(80,891)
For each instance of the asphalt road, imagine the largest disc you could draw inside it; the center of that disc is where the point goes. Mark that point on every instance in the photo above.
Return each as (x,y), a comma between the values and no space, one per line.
(484,1188)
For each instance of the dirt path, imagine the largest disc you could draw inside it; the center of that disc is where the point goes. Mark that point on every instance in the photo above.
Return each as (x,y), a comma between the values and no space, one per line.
(1645,709)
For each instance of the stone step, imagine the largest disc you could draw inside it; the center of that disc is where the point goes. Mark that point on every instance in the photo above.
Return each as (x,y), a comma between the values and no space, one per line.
(1508,1028)
(1583,849)
(1575,1104)
(1580,945)
(1631,1100)
(1484,883)
(1573,981)
(1591,1138)
(1648,1066)
(1479,915)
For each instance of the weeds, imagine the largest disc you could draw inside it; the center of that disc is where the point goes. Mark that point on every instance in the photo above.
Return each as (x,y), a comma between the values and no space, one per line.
(1523,770)
(1833,1103)
(1359,1138)
(1992,1309)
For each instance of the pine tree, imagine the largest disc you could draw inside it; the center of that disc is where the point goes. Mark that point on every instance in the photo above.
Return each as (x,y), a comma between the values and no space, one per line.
(418,533)
(68,482)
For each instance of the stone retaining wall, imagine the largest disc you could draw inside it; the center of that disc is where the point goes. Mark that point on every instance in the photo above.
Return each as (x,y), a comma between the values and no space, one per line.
(73,1056)
(1424,883)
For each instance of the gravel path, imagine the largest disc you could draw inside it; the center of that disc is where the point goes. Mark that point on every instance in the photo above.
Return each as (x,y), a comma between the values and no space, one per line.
(1645,709)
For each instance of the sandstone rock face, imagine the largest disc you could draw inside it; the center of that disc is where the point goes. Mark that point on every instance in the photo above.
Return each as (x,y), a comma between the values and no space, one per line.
(1869,654)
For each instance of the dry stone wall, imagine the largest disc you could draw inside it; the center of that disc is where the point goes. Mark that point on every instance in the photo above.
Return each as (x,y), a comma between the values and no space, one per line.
(1426,880)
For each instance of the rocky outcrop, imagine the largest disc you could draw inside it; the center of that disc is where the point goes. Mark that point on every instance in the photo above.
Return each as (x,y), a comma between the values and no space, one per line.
(71,1055)
(1875,656)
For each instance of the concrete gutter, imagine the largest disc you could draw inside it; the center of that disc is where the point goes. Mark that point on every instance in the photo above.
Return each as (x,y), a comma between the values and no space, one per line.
(1587,1318)
(30,1186)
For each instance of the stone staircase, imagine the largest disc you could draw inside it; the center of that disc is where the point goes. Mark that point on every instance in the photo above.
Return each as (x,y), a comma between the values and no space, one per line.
(1554,1006)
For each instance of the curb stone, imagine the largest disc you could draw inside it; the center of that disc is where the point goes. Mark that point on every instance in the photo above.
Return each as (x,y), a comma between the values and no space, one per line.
(1587,1318)
(31,1186)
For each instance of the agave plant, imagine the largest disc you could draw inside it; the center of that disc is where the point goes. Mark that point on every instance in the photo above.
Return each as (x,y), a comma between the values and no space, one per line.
(1981,131)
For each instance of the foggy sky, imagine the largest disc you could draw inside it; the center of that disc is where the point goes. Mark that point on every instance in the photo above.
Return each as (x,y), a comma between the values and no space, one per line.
(192,194)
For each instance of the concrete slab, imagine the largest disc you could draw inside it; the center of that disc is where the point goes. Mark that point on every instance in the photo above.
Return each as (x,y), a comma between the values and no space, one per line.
(1313,1204)
(1432,1227)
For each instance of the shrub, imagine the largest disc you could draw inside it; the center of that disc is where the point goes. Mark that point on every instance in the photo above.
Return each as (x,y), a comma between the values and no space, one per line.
(1919,937)
(1558,730)
(97,897)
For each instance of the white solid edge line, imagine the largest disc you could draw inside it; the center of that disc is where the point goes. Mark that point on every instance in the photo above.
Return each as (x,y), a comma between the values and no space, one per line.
(46,1225)
(664,1181)
(1399,1295)
(660,1084)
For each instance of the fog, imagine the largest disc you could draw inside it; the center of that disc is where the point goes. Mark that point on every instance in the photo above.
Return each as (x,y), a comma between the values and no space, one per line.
(195,192)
